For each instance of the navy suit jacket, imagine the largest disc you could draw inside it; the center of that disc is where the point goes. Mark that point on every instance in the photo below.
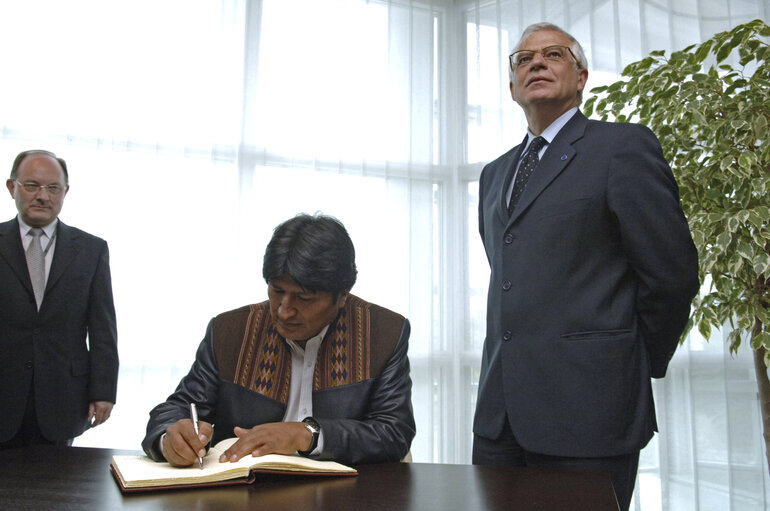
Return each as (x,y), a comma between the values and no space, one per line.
(591,281)
(45,352)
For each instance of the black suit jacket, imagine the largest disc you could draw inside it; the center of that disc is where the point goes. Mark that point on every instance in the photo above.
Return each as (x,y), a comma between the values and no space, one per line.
(590,288)
(46,352)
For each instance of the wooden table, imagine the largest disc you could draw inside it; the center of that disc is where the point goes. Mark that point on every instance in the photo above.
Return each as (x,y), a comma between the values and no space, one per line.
(51,478)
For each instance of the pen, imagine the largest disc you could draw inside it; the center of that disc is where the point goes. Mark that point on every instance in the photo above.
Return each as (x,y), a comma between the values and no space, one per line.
(194,414)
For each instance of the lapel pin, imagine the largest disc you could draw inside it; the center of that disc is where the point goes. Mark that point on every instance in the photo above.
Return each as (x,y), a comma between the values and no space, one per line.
(563,157)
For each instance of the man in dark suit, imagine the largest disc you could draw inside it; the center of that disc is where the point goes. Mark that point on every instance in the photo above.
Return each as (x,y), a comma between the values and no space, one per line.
(55,291)
(592,272)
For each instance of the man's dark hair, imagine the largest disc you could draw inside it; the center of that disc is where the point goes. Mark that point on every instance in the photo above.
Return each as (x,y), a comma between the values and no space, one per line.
(24,154)
(315,251)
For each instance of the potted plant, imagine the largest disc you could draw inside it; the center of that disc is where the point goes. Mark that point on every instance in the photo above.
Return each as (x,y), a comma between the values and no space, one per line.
(709,104)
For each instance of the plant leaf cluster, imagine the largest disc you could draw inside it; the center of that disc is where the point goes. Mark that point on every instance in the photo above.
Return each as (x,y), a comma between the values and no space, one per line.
(709,105)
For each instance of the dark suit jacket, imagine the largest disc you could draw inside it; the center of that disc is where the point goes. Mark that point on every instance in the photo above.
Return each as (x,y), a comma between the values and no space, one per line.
(46,352)
(590,288)
(365,418)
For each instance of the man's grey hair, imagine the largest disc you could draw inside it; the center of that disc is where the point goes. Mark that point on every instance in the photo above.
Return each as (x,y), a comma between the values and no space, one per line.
(577,49)
(24,154)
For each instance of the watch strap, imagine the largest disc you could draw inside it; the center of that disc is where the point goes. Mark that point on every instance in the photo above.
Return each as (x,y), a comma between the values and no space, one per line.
(315,430)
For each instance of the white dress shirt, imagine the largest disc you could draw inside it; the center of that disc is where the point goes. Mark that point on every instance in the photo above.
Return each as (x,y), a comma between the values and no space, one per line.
(303,361)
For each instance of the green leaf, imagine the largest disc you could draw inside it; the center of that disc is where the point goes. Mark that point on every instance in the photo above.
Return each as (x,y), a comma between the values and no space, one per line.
(708,262)
(724,52)
(745,318)
(697,237)
(704,328)
(746,159)
(745,250)
(715,217)
(761,263)
(735,340)
(723,240)
(763,315)
(737,123)
(703,50)
(761,339)
(763,212)
(760,125)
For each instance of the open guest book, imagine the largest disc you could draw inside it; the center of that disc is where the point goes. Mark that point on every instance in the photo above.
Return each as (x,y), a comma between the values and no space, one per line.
(141,473)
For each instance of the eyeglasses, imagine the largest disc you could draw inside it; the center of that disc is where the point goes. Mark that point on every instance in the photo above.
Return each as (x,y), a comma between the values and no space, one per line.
(552,53)
(53,189)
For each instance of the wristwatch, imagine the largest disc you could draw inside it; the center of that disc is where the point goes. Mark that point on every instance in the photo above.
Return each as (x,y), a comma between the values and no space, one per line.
(315,429)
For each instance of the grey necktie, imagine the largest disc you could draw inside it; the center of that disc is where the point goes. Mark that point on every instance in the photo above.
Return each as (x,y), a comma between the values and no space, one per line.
(36,264)
(528,165)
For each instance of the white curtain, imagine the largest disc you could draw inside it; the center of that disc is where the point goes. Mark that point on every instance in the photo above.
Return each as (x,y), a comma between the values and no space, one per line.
(193,127)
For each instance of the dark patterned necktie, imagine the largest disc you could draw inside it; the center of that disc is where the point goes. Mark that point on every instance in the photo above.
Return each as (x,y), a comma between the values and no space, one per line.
(528,165)
(36,264)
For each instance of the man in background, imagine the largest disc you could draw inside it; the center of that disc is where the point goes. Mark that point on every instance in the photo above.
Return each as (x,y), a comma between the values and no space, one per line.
(313,370)
(592,272)
(55,292)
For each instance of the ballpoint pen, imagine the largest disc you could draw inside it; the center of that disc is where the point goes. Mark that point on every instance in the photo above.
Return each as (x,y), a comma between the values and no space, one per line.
(194,414)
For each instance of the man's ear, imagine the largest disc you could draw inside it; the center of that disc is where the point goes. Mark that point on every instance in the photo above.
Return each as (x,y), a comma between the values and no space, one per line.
(11,187)
(582,79)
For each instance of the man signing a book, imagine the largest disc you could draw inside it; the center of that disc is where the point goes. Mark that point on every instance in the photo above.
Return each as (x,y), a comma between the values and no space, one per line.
(313,370)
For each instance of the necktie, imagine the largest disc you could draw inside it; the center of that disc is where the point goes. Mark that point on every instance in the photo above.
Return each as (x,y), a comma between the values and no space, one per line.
(528,165)
(36,264)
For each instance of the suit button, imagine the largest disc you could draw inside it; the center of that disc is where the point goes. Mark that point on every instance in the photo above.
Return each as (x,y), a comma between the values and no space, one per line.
(28,365)
(507,335)
(506,285)
(508,239)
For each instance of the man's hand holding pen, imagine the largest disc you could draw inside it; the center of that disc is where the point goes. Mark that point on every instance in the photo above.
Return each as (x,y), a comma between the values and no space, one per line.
(181,446)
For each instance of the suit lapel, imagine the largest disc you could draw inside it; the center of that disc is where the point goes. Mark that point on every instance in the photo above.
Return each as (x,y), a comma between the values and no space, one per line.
(555,159)
(12,251)
(510,170)
(67,247)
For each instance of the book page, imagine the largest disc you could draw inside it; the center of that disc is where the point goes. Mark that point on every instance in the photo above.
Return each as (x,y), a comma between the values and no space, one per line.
(293,462)
(142,471)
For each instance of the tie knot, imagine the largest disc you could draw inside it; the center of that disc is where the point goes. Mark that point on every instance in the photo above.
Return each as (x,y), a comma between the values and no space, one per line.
(537,144)
(36,232)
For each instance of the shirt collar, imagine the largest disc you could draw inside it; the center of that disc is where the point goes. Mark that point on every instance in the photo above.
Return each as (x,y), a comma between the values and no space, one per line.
(49,230)
(554,128)
(316,338)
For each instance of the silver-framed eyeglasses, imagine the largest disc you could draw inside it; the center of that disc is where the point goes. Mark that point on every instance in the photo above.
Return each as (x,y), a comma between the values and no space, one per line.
(556,53)
(29,187)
